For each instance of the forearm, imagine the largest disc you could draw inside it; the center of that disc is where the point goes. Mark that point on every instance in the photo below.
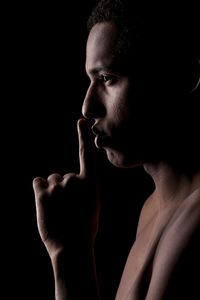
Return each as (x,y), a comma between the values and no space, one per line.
(75,278)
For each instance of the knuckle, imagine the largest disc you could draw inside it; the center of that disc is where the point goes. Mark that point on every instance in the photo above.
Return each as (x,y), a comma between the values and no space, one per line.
(70,181)
(54,182)
(54,188)
(54,177)
(39,183)
(69,177)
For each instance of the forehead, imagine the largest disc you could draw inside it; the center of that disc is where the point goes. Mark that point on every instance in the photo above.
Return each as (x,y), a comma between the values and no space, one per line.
(101,44)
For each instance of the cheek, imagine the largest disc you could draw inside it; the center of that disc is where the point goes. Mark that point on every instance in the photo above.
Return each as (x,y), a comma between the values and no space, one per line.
(120,110)
(121,101)
(118,119)
(119,113)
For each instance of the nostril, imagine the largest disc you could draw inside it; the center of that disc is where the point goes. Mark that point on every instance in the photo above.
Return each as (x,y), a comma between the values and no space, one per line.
(87,115)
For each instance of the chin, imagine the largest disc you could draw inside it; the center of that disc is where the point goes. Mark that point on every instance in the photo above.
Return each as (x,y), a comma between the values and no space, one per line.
(121,160)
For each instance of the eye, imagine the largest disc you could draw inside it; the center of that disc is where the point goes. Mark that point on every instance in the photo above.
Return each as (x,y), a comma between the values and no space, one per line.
(108,79)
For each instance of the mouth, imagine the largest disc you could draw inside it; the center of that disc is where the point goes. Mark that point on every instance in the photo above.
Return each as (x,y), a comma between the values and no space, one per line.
(101,140)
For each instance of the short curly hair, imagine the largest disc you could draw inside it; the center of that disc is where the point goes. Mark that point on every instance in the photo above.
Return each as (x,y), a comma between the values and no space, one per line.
(108,10)
(122,14)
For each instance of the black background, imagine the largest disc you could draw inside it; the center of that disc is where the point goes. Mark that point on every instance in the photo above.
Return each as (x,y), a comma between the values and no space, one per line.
(43,88)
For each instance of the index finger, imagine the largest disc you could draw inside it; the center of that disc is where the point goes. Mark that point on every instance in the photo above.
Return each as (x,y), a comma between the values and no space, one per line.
(86,150)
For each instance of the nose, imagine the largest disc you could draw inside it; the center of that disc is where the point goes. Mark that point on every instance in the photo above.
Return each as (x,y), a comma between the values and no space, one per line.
(93,107)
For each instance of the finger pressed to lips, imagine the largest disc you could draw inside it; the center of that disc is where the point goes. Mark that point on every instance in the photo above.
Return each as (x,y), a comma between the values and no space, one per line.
(86,149)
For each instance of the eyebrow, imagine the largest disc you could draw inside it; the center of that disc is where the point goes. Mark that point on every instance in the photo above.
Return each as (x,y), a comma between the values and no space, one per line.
(103,68)
(98,70)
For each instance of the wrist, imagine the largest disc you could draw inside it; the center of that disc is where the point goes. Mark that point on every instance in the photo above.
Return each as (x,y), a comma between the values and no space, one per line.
(75,275)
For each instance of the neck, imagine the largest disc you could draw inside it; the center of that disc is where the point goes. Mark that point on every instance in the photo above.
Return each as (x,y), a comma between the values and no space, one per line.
(172,185)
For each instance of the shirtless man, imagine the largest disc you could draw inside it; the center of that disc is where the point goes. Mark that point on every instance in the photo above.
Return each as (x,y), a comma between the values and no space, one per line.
(136,76)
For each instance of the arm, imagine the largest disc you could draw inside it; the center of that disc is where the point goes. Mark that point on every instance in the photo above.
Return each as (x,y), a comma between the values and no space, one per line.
(67,218)
(76,279)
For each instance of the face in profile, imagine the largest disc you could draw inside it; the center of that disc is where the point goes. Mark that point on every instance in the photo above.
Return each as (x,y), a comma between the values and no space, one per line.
(110,101)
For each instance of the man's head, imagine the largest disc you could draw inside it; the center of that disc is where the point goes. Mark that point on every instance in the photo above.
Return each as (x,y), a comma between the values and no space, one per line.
(141,77)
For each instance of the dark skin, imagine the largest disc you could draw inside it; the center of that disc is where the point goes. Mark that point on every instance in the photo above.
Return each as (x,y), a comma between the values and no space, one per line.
(170,216)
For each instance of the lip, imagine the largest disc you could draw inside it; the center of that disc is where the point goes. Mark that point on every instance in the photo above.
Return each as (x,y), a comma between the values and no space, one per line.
(96,131)
(102,141)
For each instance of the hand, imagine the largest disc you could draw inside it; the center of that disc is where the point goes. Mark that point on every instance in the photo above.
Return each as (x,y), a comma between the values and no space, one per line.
(67,207)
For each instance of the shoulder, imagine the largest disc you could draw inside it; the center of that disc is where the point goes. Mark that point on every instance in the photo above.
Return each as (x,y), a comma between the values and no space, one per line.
(182,229)
(176,265)
(184,279)
(148,214)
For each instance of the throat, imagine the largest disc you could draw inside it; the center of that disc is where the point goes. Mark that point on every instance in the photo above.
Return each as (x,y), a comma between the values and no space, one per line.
(171,185)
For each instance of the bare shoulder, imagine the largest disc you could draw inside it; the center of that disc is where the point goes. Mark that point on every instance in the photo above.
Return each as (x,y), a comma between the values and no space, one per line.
(148,214)
(180,231)
(165,253)
(176,260)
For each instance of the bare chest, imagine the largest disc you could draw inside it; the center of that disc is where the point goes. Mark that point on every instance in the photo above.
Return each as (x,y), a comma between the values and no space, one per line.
(139,260)
(154,254)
